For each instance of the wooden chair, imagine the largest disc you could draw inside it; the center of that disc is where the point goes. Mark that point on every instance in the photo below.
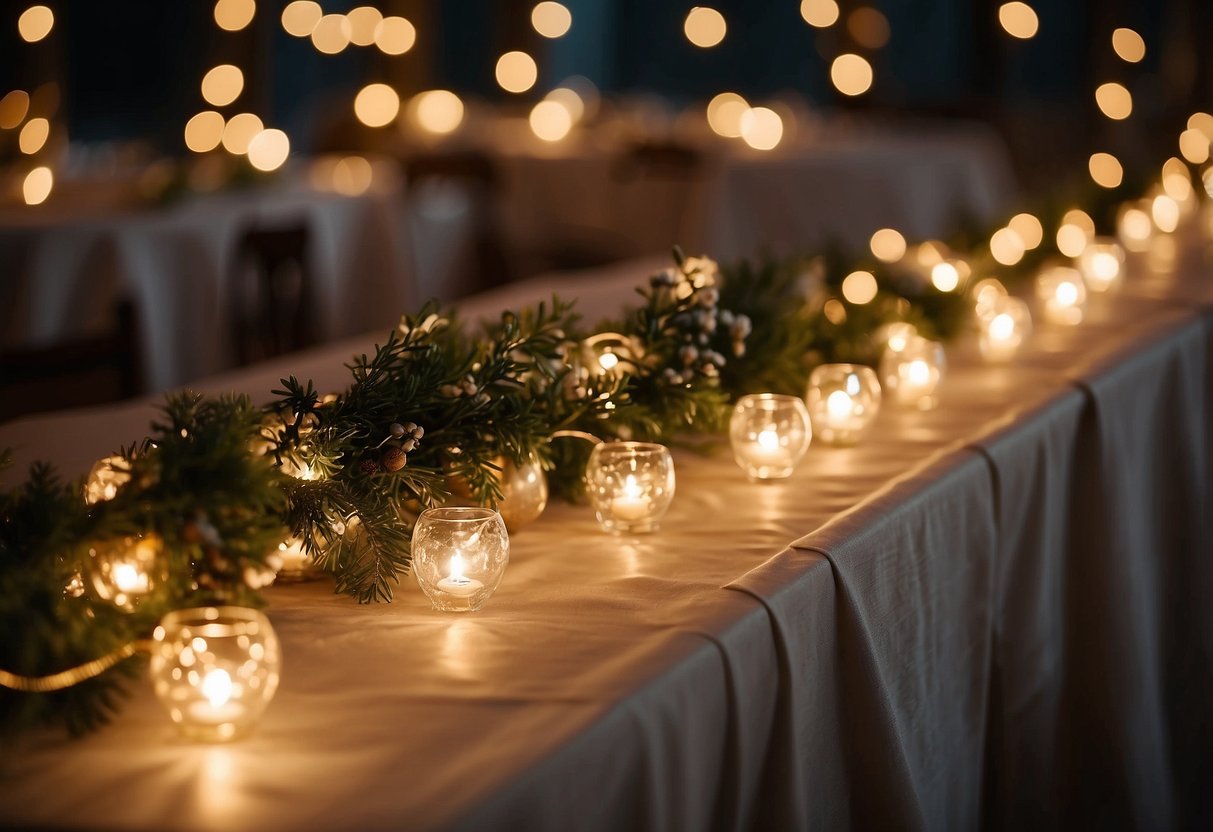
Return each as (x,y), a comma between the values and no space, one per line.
(86,371)
(271,294)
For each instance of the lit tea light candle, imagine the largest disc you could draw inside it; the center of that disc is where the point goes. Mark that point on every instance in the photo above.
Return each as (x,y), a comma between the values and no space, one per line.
(215,669)
(459,556)
(843,401)
(1102,264)
(1063,295)
(630,485)
(769,434)
(126,570)
(1005,330)
(912,375)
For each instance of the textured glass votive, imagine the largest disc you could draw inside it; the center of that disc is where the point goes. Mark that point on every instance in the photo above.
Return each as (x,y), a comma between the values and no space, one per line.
(1004,329)
(124,570)
(630,485)
(524,490)
(843,402)
(1102,264)
(1062,294)
(911,376)
(770,434)
(215,669)
(459,556)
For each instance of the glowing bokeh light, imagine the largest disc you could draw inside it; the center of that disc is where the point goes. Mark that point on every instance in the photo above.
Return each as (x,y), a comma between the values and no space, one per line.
(888,245)
(204,131)
(1071,240)
(34,135)
(851,74)
(331,34)
(1006,246)
(1114,100)
(395,35)
(376,105)
(859,287)
(239,131)
(300,17)
(1128,45)
(222,85)
(1202,122)
(35,23)
(819,13)
(724,114)
(13,108)
(269,149)
(550,120)
(352,176)
(1018,20)
(1029,229)
(704,26)
(37,185)
(437,111)
(1165,212)
(552,20)
(945,276)
(1135,229)
(364,22)
(761,128)
(516,72)
(568,98)
(1194,146)
(1106,170)
(234,15)
(868,27)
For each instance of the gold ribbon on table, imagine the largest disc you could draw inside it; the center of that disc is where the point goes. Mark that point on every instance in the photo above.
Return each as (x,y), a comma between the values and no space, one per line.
(73,675)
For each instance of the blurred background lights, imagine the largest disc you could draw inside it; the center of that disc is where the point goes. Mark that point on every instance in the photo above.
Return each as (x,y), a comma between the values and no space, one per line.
(269,149)
(1106,170)
(437,111)
(376,105)
(352,176)
(516,71)
(851,74)
(819,13)
(222,85)
(868,27)
(364,21)
(859,287)
(1194,146)
(761,128)
(204,131)
(1081,219)
(1027,226)
(888,246)
(13,108)
(1128,45)
(331,34)
(945,276)
(704,26)
(1018,20)
(239,131)
(724,114)
(300,17)
(1006,246)
(34,135)
(37,185)
(1071,240)
(1165,212)
(1135,229)
(1114,100)
(395,35)
(34,24)
(1176,182)
(1202,122)
(234,15)
(551,19)
(550,120)
(568,98)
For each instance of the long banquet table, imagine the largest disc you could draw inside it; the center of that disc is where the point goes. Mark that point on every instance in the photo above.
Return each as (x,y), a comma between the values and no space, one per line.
(992,614)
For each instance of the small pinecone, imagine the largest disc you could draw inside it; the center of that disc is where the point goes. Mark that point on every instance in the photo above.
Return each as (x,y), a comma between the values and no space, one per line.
(368,466)
(394,459)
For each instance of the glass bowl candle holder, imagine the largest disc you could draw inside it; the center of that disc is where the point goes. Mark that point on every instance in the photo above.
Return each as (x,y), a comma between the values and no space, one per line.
(630,485)
(1102,264)
(770,434)
(1062,294)
(843,402)
(125,570)
(215,669)
(524,493)
(1005,329)
(911,376)
(459,556)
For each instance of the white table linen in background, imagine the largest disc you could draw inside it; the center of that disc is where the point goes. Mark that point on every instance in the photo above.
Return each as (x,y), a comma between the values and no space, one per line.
(716,674)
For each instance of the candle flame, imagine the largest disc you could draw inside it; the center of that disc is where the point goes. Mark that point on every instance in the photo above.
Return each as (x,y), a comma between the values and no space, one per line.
(1067,294)
(1002,327)
(457,575)
(768,439)
(839,405)
(129,578)
(918,372)
(631,488)
(217,687)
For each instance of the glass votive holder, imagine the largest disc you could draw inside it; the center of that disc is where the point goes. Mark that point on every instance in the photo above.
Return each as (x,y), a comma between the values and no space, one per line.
(215,669)
(125,570)
(1134,226)
(1062,294)
(986,294)
(911,376)
(843,402)
(1102,264)
(770,434)
(895,336)
(524,493)
(459,556)
(630,485)
(1005,329)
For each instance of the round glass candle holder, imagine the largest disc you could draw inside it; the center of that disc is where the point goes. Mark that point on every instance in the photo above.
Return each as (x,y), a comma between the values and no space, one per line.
(630,485)
(1005,329)
(459,556)
(770,434)
(215,669)
(125,570)
(524,490)
(910,377)
(844,400)
(1062,295)
(1102,264)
